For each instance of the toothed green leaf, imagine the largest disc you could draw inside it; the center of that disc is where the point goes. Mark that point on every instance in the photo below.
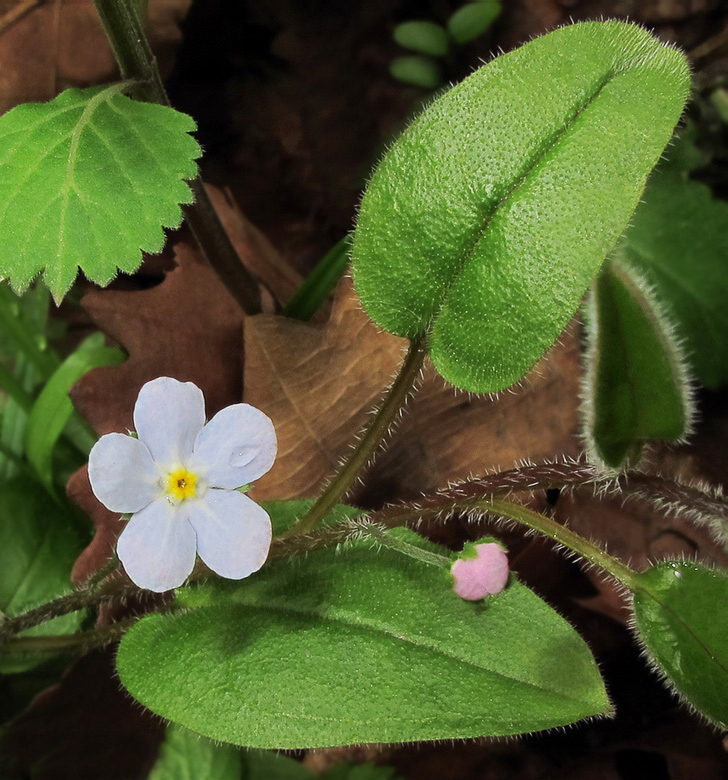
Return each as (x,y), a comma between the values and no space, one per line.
(89,180)
(636,389)
(681,614)
(485,223)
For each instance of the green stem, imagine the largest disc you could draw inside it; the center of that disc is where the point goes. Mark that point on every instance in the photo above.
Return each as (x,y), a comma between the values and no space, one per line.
(385,539)
(83,641)
(219,250)
(546,526)
(369,442)
(136,62)
(131,49)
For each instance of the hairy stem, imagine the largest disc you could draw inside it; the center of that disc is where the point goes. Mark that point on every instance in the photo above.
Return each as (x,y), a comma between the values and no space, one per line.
(81,642)
(136,62)
(547,526)
(369,442)
(375,526)
(72,602)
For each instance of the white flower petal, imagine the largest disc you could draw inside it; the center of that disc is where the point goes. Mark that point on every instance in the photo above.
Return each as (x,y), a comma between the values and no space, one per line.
(236,447)
(122,473)
(168,415)
(157,547)
(233,533)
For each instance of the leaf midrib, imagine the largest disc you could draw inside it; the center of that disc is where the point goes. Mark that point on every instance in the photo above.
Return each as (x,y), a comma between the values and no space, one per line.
(520,180)
(408,640)
(103,96)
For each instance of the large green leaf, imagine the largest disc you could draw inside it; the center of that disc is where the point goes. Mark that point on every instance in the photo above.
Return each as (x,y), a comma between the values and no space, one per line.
(353,645)
(486,221)
(636,388)
(53,409)
(89,180)
(679,240)
(187,756)
(681,615)
(39,543)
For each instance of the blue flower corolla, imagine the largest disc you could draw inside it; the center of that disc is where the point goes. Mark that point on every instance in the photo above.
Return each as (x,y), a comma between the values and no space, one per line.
(178,481)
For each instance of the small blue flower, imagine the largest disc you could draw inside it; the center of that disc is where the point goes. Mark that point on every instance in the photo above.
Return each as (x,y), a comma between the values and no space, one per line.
(179,480)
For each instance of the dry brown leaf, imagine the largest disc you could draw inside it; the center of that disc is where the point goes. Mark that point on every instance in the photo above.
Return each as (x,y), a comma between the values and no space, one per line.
(187,327)
(319,383)
(256,252)
(61,44)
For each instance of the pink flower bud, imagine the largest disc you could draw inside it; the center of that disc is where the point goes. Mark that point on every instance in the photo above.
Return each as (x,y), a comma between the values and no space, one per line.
(483,574)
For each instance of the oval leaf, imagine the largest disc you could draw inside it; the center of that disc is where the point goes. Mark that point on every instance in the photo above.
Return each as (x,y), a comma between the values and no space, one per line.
(636,387)
(425,37)
(89,180)
(350,646)
(681,615)
(473,19)
(416,70)
(487,220)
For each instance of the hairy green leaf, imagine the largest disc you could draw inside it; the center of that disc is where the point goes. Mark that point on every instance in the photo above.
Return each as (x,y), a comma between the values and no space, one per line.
(679,240)
(422,36)
(89,180)
(636,388)
(53,409)
(354,645)
(188,756)
(681,615)
(39,543)
(472,19)
(485,223)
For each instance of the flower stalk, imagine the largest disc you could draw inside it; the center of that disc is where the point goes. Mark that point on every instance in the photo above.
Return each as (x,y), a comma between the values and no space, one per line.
(373,437)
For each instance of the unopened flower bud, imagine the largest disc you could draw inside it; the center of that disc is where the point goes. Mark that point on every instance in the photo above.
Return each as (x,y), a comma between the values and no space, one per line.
(481,571)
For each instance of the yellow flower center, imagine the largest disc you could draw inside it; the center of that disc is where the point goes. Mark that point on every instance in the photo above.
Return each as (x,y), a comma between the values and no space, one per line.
(181,484)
